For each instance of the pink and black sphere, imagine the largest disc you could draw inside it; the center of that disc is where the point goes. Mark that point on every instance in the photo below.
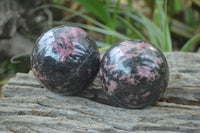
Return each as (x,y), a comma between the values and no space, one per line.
(134,73)
(65,59)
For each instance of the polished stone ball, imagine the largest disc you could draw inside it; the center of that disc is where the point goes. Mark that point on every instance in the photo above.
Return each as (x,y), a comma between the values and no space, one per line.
(65,60)
(134,73)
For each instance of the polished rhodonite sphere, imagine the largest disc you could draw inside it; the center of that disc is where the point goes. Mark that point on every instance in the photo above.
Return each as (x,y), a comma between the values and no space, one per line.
(65,59)
(134,73)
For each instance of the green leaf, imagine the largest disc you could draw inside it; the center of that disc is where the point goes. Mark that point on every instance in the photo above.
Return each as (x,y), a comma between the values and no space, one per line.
(132,28)
(3,82)
(97,8)
(103,31)
(102,44)
(168,40)
(16,59)
(164,26)
(189,17)
(178,4)
(104,48)
(75,13)
(190,43)
(106,31)
(114,20)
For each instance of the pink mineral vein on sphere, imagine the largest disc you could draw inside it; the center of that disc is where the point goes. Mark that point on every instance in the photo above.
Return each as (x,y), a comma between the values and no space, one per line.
(155,60)
(123,52)
(158,60)
(76,33)
(112,68)
(113,85)
(115,75)
(34,66)
(66,40)
(77,50)
(59,87)
(124,76)
(105,77)
(89,71)
(100,72)
(102,76)
(131,96)
(107,67)
(106,60)
(126,57)
(116,55)
(115,52)
(143,45)
(125,46)
(41,77)
(62,52)
(145,72)
(98,57)
(132,81)
(146,94)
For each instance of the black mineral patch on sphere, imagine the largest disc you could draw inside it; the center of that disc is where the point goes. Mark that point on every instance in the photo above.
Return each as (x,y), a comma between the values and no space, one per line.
(65,59)
(134,73)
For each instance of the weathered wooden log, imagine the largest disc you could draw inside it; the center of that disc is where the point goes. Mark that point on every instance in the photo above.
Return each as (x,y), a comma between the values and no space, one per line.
(28,107)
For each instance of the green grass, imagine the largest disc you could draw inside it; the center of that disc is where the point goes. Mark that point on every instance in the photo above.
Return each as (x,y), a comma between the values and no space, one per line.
(190,43)
(99,27)
(119,22)
(100,10)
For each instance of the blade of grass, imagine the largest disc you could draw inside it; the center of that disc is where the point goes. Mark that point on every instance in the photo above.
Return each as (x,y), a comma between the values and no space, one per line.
(166,37)
(168,40)
(97,8)
(102,44)
(51,5)
(104,31)
(14,58)
(115,14)
(129,12)
(3,82)
(190,43)
(76,13)
(161,14)
(131,27)
(154,33)
(182,29)
(97,23)
(128,31)
(114,19)
(104,48)
(140,18)
(107,31)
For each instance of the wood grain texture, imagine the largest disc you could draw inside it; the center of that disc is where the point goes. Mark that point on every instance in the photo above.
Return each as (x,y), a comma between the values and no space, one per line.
(28,107)
(184,83)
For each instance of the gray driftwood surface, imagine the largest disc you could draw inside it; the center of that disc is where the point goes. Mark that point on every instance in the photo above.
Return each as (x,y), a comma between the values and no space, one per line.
(27,107)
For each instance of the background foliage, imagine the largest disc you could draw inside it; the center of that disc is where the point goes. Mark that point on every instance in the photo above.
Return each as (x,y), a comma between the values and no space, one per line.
(165,23)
